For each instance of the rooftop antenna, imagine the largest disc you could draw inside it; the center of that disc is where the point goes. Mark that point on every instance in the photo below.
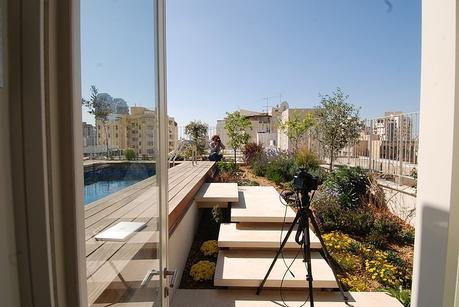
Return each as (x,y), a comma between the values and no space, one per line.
(267,104)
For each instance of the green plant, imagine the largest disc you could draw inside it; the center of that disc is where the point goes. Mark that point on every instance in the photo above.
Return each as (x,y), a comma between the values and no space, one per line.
(203,270)
(259,164)
(331,216)
(100,108)
(337,123)
(307,159)
(296,128)
(227,166)
(236,126)
(217,214)
(209,248)
(402,295)
(129,154)
(354,283)
(350,185)
(197,132)
(385,272)
(251,151)
(281,169)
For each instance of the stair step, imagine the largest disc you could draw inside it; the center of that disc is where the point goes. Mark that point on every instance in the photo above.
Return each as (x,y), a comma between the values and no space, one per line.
(248,298)
(260,204)
(236,268)
(217,194)
(233,235)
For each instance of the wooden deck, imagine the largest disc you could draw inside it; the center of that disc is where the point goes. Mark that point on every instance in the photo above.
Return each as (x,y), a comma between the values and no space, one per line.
(115,269)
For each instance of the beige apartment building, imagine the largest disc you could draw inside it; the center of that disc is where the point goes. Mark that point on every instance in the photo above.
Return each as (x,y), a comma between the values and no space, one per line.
(134,131)
(265,125)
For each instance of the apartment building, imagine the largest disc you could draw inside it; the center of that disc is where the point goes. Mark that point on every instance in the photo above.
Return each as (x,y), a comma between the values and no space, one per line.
(134,131)
(89,134)
(265,126)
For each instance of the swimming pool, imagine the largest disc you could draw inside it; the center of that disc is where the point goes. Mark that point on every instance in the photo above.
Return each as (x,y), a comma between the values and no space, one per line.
(103,179)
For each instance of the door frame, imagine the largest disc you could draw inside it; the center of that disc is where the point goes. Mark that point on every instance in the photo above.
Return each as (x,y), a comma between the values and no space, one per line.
(45,121)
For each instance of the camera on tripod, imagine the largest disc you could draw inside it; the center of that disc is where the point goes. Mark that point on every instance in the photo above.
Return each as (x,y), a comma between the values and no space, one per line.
(303,182)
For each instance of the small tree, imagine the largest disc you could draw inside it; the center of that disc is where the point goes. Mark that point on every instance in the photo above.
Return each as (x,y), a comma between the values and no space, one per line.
(100,108)
(197,132)
(296,128)
(236,126)
(337,123)
(129,154)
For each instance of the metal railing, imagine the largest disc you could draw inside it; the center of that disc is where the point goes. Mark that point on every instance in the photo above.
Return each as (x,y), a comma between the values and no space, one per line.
(388,145)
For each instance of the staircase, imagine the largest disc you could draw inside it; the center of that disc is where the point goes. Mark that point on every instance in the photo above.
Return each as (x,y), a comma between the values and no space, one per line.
(249,243)
(247,247)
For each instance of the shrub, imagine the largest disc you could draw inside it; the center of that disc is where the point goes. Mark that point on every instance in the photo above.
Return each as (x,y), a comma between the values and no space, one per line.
(281,169)
(331,216)
(250,151)
(383,271)
(307,159)
(350,185)
(354,283)
(259,164)
(203,270)
(402,295)
(227,166)
(209,248)
(129,154)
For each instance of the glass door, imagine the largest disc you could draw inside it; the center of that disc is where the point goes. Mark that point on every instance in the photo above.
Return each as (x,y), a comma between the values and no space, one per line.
(125,152)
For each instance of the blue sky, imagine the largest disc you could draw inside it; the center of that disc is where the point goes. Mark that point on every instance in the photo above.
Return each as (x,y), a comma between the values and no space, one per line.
(225,54)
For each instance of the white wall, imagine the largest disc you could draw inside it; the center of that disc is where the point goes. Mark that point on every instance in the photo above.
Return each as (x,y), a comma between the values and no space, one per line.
(9,286)
(180,242)
(437,232)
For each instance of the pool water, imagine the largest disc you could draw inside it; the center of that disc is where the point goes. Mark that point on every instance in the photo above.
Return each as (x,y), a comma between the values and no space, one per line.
(98,190)
(103,179)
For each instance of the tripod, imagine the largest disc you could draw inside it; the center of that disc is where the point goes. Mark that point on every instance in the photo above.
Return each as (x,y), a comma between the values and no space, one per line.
(303,218)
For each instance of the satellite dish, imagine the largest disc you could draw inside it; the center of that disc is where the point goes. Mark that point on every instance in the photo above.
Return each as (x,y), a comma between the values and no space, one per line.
(284,106)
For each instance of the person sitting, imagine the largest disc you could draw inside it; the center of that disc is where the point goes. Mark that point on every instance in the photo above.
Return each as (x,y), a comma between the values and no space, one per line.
(215,147)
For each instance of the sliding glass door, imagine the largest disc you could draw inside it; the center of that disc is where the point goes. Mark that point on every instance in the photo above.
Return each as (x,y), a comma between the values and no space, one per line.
(125,152)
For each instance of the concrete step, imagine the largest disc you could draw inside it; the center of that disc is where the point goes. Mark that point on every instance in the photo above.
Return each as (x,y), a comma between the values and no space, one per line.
(233,235)
(217,194)
(248,298)
(239,268)
(260,204)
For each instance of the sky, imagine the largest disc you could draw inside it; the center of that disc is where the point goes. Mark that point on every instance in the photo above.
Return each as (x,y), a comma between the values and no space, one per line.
(228,54)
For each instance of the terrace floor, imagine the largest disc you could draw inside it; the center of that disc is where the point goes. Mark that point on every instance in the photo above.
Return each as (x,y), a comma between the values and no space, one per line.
(116,269)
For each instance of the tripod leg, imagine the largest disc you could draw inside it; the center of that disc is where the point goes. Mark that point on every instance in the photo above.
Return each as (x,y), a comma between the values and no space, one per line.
(307,259)
(326,254)
(260,287)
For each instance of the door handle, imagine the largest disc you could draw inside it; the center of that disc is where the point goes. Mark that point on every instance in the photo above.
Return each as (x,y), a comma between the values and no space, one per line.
(149,276)
(152,273)
(172,273)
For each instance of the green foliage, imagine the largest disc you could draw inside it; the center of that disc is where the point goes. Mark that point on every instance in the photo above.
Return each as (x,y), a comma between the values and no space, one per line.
(217,214)
(98,106)
(197,132)
(402,295)
(331,216)
(307,159)
(236,126)
(281,169)
(349,185)
(337,123)
(251,151)
(227,166)
(362,266)
(129,154)
(260,164)
(296,128)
